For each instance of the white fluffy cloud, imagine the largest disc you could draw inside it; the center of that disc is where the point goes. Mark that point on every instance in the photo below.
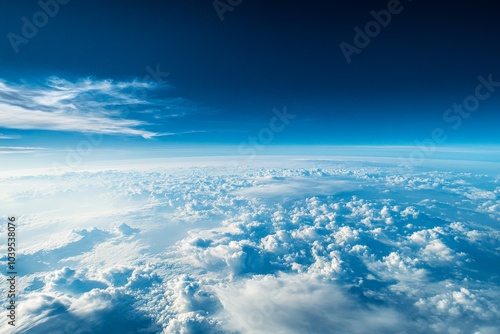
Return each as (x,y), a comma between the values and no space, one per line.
(195,251)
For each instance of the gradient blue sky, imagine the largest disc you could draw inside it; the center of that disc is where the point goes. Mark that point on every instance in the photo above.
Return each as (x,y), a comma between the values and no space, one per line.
(83,72)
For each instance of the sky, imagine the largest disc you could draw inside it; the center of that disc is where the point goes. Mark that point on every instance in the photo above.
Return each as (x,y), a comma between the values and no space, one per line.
(167,158)
(152,74)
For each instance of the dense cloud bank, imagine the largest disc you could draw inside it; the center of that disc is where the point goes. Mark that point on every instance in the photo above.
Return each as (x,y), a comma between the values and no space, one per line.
(324,247)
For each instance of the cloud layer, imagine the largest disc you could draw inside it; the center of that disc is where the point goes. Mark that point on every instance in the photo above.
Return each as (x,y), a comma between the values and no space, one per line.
(259,250)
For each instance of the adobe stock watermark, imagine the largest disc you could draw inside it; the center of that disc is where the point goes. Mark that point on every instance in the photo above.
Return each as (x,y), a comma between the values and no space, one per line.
(30,28)
(454,117)
(223,6)
(372,29)
(265,136)
(75,156)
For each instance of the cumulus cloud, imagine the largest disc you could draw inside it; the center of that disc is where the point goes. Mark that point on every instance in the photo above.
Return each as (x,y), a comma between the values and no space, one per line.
(201,250)
(98,311)
(126,230)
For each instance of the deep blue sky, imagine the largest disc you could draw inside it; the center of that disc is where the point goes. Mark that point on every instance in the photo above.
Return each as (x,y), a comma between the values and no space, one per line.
(266,54)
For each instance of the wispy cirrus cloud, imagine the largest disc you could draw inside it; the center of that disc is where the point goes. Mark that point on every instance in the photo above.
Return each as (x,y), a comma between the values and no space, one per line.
(89,106)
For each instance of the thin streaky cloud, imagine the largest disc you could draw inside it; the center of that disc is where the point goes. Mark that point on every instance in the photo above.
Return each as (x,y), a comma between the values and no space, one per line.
(19,118)
(87,106)
(20,149)
(8,137)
